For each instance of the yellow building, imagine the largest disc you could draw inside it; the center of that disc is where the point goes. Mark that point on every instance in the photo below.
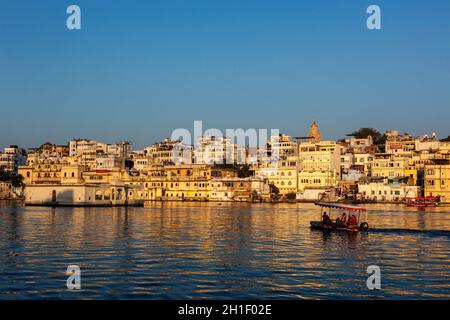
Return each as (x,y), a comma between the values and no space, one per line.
(389,166)
(437,180)
(319,165)
(399,144)
(45,172)
(182,182)
(283,175)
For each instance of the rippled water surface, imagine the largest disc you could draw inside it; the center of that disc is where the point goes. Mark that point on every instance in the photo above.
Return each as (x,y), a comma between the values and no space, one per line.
(207,250)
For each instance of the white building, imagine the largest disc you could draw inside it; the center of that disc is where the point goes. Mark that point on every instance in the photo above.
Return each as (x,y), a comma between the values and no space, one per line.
(80,195)
(12,157)
(283,146)
(215,150)
(109,162)
(169,152)
(383,191)
(81,147)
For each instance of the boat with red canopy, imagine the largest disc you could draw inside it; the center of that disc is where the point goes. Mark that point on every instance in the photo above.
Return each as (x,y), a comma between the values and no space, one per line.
(339,217)
(422,202)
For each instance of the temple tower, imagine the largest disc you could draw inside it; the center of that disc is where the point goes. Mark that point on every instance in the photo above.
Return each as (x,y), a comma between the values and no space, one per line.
(314,133)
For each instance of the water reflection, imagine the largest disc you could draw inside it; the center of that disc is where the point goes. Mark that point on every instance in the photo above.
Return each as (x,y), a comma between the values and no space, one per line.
(206,250)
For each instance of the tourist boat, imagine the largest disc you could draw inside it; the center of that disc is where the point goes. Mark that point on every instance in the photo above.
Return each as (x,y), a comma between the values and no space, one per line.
(422,202)
(328,211)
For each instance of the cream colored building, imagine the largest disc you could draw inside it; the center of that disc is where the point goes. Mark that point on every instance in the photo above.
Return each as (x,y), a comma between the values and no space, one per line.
(282,174)
(319,165)
(85,147)
(166,152)
(383,191)
(239,189)
(389,166)
(283,147)
(437,180)
(78,195)
(215,150)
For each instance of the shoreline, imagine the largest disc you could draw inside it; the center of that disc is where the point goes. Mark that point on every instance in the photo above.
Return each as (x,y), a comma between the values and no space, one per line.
(144,203)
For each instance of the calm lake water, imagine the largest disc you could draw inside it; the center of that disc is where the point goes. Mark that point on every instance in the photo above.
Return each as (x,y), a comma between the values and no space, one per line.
(228,251)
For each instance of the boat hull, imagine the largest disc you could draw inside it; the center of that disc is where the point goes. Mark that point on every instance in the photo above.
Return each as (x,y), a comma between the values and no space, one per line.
(421,205)
(317,225)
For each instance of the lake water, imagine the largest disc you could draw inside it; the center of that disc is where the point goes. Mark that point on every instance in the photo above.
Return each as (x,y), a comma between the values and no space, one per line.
(229,251)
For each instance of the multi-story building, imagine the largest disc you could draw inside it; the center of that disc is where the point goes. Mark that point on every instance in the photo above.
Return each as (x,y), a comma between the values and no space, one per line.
(319,165)
(47,151)
(87,147)
(215,150)
(363,162)
(239,189)
(120,149)
(11,158)
(168,152)
(386,190)
(282,147)
(78,147)
(109,162)
(399,144)
(385,165)
(437,180)
(282,174)
(360,145)
(200,182)
(347,162)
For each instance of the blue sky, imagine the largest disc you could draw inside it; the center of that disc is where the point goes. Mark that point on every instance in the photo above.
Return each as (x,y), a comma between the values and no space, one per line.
(139,69)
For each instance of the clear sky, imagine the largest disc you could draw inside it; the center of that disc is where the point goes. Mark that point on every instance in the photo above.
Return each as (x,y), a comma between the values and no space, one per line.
(139,69)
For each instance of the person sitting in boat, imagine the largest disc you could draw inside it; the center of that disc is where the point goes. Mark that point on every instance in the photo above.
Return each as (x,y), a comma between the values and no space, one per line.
(352,220)
(344,218)
(326,219)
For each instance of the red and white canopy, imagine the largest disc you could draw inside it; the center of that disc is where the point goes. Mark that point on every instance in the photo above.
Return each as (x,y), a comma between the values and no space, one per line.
(340,206)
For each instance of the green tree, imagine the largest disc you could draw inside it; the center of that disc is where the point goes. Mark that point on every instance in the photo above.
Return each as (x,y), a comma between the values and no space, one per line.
(446,139)
(244,171)
(15,179)
(274,192)
(4,175)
